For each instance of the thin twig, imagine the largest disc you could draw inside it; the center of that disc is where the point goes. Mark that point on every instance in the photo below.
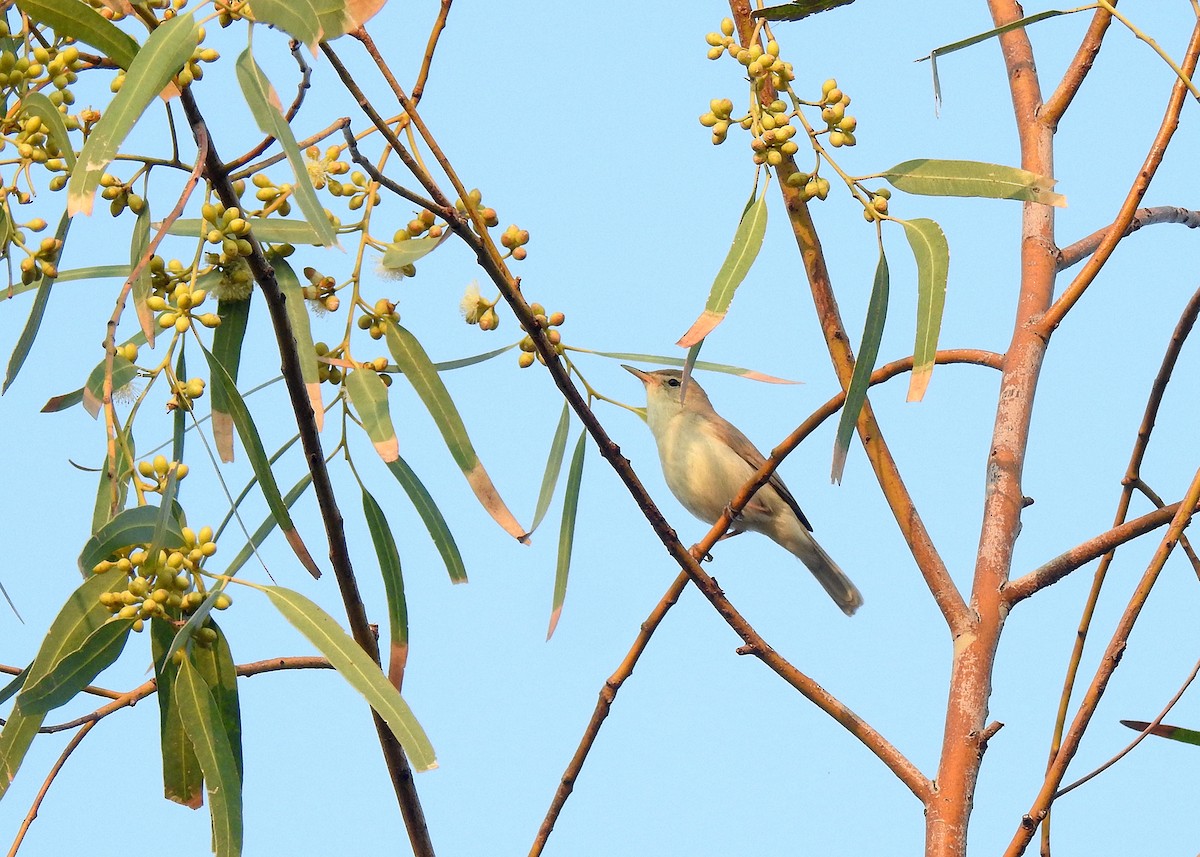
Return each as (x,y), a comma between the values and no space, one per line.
(1085,56)
(75,741)
(1141,736)
(1108,664)
(1084,247)
(1141,182)
(434,34)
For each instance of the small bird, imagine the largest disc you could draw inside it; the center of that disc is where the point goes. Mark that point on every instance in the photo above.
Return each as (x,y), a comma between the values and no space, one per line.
(706,460)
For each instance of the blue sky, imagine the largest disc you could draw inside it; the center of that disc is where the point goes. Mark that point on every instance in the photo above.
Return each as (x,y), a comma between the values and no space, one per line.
(581,127)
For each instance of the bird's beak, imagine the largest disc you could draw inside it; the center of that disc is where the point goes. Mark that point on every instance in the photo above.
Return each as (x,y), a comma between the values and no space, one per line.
(644,377)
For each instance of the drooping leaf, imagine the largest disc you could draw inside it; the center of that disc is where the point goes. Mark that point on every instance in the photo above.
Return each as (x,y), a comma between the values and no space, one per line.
(748,374)
(15,684)
(37,104)
(215,665)
(268,115)
(432,517)
(79,21)
(108,501)
(868,351)
(88,272)
(29,333)
(76,670)
(273,230)
(183,781)
(410,356)
(135,526)
(227,342)
(297,311)
(393,583)
(163,55)
(747,241)
(202,722)
(369,396)
(142,285)
(357,668)
(297,18)
(558,447)
(79,617)
(798,9)
(566,533)
(933,177)
(932,253)
(258,461)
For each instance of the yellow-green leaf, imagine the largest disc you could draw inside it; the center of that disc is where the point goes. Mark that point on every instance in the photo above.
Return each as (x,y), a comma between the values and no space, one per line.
(932,254)
(297,312)
(933,177)
(393,584)
(747,241)
(268,115)
(410,356)
(369,396)
(273,230)
(558,447)
(166,51)
(432,516)
(76,670)
(566,533)
(80,21)
(357,668)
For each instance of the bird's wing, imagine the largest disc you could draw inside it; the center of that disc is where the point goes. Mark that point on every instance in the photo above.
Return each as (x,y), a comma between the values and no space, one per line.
(750,454)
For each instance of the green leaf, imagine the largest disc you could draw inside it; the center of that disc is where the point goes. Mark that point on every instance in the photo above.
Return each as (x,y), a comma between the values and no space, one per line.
(973,40)
(748,374)
(75,671)
(36,104)
(92,394)
(797,10)
(91,272)
(34,323)
(566,533)
(110,503)
(933,177)
(1162,730)
(80,21)
(747,241)
(462,362)
(932,253)
(357,668)
(558,447)
(273,230)
(268,114)
(267,526)
(403,253)
(165,52)
(868,351)
(141,287)
(215,665)
(10,689)
(135,526)
(297,311)
(393,584)
(183,781)
(369,396)
(297,18)
(202,722)
(78,618)
(227,342)
(420,372)
(431,515)
(258,460)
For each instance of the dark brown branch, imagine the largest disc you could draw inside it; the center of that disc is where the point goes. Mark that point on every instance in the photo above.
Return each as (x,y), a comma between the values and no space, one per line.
(301,90)
(1084,247)
(331,516)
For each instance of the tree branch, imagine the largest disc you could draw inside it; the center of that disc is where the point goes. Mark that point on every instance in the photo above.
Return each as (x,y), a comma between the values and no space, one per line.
(1085,247)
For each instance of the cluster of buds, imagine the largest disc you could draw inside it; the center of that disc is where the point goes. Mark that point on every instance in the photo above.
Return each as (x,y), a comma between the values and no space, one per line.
(475,196)
(120,195)
(276,198)
(321,291)
(320,169)
(547,323)
(514,240)
(425,223)
(184,393)
(327,372)
(179,311)
(375,322)
(42,262)
(227,227)
(159,470)
(163,586)
(358,189)
(833,113)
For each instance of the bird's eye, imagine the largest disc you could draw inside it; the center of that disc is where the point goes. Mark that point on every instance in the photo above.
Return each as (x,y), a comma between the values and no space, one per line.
(672,382)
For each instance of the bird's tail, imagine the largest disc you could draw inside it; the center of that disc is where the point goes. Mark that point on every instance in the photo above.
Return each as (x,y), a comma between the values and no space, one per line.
(844,593)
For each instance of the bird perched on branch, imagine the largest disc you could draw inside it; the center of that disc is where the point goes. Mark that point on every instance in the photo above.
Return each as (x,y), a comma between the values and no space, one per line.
(705,460)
